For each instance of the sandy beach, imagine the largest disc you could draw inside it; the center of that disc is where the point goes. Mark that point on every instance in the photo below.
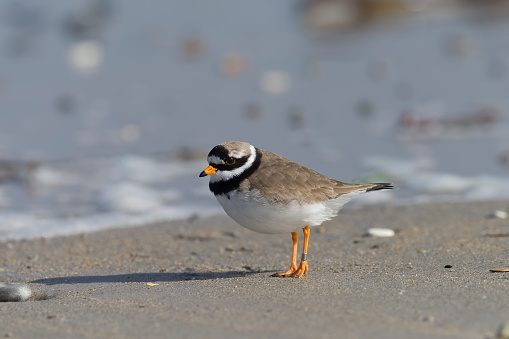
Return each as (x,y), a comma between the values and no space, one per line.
(211,278)
(109,109)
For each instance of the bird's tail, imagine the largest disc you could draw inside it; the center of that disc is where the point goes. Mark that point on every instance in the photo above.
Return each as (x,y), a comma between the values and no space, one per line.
(380,186)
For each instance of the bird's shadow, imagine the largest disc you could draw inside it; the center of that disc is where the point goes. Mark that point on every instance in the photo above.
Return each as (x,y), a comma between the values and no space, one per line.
(145,277)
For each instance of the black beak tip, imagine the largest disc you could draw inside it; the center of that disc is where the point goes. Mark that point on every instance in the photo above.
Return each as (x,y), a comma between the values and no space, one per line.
(203,174)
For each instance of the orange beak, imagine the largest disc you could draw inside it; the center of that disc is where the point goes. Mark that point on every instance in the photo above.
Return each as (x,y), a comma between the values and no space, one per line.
(208,171)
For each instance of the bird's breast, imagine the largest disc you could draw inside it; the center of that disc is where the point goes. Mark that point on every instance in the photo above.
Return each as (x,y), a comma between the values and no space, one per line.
(256,213)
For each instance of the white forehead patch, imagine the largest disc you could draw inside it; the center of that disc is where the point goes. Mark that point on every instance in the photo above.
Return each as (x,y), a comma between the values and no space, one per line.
(212,159)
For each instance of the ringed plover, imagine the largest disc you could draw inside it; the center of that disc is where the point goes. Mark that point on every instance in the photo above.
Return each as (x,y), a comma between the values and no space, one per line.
(267,193)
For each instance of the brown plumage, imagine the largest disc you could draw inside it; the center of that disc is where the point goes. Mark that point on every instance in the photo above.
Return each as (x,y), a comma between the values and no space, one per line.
(267,193)
(282,181)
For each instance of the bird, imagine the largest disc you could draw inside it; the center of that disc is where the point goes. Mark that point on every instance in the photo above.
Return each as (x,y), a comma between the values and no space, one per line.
(267,193)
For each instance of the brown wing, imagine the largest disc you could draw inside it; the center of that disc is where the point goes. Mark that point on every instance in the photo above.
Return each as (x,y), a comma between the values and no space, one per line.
(285,181)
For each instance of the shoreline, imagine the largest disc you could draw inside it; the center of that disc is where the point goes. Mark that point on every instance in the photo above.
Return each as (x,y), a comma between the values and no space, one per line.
(142,220)
(209,277)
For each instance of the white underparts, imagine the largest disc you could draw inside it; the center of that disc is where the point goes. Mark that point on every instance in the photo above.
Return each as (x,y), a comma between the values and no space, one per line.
(254,212)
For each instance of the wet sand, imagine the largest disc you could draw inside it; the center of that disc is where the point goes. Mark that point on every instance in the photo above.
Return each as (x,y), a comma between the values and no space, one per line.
(211,278)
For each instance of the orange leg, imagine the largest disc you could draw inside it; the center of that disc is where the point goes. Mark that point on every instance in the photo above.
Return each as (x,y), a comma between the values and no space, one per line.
(303,267)
(293,267)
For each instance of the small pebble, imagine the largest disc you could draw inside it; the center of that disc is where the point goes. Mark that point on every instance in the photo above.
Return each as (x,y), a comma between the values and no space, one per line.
(448,266)
(193,48)
(275,82)
(429,319)
(14,292)
(86,56)
(233,65)
(381,232)
(33,257)
(499,270)
(498,214)
(503,330)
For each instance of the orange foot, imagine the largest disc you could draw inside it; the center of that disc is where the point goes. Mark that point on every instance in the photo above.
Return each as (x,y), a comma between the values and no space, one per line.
(303,269)
(292,270)
(295,271)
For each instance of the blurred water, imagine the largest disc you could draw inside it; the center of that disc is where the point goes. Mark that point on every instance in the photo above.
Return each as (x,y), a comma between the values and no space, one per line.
(83,84)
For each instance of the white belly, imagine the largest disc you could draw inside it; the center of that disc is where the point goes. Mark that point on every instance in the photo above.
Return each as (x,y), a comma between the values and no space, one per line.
(255,213)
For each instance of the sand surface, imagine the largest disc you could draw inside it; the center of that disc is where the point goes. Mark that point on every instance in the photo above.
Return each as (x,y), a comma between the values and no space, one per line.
(212,279)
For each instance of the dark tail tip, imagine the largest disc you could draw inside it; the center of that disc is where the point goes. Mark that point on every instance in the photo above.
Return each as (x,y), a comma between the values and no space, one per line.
(381,186)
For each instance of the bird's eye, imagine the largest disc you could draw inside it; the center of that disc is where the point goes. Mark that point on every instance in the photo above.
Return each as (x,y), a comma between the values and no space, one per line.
(230,161)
